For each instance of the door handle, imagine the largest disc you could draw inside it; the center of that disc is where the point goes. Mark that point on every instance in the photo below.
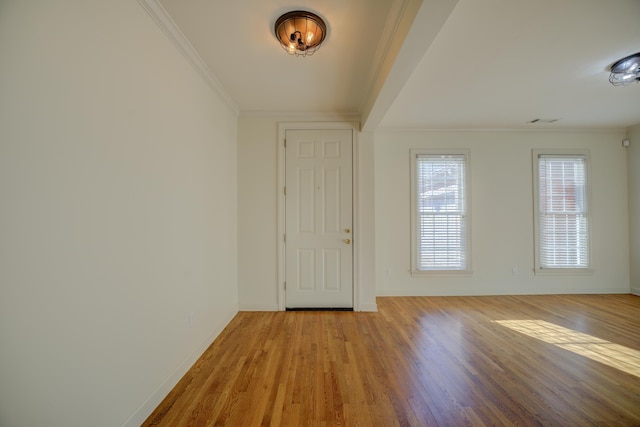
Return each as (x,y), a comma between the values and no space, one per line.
(347,241)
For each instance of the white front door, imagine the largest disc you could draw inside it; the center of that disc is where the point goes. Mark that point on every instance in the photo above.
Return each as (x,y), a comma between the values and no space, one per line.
(319,219)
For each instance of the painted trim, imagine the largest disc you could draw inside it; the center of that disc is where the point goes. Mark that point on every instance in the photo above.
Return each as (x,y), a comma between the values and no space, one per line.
(369,307)
(381,293)
(168,26)
(384,53)
(399,20)
(408,129)
(259,307)
(408,47)
(151,403)
(282,129)
(414,154)
(355,214)
(337,116)
(635,291)
(535,160)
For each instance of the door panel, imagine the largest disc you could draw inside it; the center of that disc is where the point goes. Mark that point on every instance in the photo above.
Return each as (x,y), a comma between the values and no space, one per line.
(318,210)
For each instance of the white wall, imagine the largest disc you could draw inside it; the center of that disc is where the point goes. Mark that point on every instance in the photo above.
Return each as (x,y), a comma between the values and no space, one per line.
(501,213)
(633,134)
(118,221)
(367,219)
(258,212)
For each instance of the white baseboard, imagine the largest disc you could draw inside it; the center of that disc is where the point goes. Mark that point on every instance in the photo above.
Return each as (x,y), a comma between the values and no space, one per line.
(460,293)
(274,307)
(368,307)
(259,307)
(152,402)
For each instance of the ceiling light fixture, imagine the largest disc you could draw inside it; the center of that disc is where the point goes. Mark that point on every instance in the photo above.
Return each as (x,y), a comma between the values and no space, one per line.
(300,33)
(542,121)
(626,70)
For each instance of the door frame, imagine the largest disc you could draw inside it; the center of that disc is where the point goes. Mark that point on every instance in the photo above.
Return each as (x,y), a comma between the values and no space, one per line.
(282,129)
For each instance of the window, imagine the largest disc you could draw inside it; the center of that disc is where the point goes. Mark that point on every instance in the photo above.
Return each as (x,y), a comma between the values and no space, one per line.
(440,223)
(561,211)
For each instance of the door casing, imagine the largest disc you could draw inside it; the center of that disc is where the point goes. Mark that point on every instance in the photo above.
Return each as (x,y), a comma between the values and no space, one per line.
(282,128)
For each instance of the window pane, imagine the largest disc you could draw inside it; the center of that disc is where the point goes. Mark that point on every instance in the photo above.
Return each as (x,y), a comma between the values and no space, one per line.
(562,217)
(441,228)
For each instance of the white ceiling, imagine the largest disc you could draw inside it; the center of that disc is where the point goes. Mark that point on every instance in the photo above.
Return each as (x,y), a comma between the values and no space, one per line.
(237,41)
(464,64)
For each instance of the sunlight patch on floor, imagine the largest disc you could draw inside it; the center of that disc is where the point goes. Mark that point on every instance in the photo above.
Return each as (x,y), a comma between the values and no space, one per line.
(617,356)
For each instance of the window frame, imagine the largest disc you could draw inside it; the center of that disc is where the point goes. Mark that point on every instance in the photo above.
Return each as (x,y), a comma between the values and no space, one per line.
(538,268)
(415,153)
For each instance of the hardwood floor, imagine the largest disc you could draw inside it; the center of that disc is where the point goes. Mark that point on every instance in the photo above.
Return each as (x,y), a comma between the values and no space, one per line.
(421,361)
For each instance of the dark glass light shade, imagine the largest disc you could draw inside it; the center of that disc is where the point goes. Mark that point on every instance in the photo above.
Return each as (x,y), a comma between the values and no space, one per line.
(626,70)
(300,33)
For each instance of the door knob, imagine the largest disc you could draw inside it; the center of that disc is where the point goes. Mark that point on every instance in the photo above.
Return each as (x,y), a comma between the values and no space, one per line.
(347,241)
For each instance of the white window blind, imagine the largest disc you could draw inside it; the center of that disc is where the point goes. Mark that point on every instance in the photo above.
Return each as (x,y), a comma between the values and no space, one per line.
(563,232)
(441,223)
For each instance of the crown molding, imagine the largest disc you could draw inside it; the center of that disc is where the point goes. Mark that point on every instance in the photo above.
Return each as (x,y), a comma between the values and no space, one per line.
(180,41)
(350,116)
(400,14)
(399,21)
(416,27)
(405,129)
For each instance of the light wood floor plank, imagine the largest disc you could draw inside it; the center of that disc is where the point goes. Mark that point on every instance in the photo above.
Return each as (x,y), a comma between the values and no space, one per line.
(421,361)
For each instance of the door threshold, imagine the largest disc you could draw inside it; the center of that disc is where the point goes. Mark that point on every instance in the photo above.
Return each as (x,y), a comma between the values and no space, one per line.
(319,309)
